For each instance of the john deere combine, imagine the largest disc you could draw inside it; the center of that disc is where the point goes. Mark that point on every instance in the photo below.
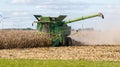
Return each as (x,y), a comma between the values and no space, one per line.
(57,27)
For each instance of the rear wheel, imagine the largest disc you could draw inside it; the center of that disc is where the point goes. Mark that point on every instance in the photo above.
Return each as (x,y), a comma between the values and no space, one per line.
(67,41)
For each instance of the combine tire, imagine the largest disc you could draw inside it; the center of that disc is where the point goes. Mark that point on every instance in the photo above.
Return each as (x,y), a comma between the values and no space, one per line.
(67,41)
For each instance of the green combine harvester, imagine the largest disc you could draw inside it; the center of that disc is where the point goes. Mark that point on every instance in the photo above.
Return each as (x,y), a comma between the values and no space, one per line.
(57,27)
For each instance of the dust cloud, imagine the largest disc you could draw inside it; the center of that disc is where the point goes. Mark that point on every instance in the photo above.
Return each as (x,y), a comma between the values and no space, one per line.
(97,37)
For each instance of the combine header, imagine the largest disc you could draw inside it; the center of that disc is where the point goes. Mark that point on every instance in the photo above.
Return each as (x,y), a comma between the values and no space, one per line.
(57,27)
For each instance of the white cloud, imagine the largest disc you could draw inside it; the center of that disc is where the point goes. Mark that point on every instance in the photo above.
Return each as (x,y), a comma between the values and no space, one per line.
(112,9)
(40,6)
(21,1)
(19,13)
(109,6)
(1,13)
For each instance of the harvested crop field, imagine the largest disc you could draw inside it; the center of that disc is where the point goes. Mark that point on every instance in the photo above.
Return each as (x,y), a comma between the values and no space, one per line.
(97,53)
(24,44)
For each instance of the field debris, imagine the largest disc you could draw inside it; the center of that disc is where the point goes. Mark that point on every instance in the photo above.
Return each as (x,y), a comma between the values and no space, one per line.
(96,37)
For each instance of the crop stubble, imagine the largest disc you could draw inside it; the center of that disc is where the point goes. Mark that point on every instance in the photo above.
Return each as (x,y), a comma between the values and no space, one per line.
(95,53)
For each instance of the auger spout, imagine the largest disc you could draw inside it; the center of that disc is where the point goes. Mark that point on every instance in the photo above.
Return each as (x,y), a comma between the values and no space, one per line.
(85,17)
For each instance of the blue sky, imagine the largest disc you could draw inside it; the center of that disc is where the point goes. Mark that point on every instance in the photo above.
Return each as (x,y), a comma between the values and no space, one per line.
(20,12)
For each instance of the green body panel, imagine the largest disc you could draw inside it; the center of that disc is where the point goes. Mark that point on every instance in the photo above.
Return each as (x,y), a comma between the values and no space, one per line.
(44,19)
(38,26)
(57,27)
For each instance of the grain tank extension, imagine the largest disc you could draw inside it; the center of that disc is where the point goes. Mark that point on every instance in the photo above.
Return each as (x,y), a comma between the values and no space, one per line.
(57,27)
